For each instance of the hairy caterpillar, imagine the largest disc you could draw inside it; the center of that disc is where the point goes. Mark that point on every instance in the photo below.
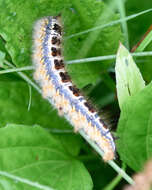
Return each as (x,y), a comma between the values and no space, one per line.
(57,86)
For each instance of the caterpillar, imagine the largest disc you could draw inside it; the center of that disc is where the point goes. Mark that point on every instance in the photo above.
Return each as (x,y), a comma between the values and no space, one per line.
(59,89)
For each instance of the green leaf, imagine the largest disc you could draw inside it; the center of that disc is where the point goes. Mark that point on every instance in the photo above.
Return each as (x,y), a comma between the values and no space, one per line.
(87,14)
(20,17)
(135,129)
(71,142)
(38,156)
(129,80)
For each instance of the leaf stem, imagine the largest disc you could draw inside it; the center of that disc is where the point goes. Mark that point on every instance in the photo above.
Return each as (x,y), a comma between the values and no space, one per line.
(30,97)
(144,42)
(115,181)
(90,59)
(108,24)
(27,68)
(120,171)
(108,57)
(26,181)
(121,8)
(23,76)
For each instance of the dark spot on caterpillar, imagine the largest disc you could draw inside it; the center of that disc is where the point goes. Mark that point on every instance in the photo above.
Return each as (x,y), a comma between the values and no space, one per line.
(103,123)
(54,51)
(57,17)
(65,77)
(59,51)
(115,138)
(55,40)
(58,64)
(60,108)
(75,90)
(90,107)
(57,28)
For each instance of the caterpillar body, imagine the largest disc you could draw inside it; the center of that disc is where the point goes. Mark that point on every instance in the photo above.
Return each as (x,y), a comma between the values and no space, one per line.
(58,88)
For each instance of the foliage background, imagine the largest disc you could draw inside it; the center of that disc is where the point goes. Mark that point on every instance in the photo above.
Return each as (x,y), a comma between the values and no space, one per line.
(55,156)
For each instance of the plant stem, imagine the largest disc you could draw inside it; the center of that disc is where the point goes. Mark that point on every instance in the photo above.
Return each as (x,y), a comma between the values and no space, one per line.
(121,8)
(115,181)
(109,24)
(101,58)
(26,181)
(76,61)
(111,162)
(17,69)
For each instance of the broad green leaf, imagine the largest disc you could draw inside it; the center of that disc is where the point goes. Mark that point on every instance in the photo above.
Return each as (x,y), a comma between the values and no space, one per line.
(38,156)
(19,16)
(135,129)
(85,14)
(71,142)
(129,80)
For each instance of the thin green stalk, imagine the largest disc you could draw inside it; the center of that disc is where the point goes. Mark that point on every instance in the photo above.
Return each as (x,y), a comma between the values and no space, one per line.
(30,97)
(115,181)
(121,8)
(29,81)
(147,40)
(120,171)
(26,181)
(23,76)
(27,68)
(109,24)
(91,59)
(108,57)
